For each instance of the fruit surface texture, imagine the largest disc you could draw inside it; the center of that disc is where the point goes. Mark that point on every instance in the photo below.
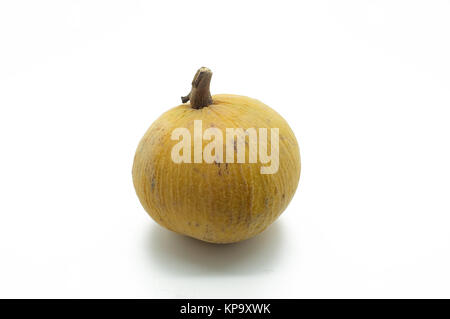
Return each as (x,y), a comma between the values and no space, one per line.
(219,201)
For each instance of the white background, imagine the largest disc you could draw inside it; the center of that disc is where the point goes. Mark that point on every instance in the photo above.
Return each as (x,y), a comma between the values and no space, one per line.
(365,85)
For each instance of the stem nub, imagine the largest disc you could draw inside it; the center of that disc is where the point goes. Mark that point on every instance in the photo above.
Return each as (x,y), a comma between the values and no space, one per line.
(200,96)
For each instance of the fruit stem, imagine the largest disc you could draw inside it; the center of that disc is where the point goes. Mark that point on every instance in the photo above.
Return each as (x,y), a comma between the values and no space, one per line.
(200,96)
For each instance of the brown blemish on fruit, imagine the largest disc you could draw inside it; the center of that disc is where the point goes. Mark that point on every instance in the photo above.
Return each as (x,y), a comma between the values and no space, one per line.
(153,183)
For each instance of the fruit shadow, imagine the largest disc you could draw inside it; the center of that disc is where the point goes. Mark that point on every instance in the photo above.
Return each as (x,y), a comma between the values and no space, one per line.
(182,255)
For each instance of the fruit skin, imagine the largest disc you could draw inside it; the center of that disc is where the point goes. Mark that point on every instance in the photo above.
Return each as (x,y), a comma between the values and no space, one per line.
(219,202)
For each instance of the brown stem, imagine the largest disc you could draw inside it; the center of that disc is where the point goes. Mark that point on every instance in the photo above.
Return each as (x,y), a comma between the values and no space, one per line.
(200,95)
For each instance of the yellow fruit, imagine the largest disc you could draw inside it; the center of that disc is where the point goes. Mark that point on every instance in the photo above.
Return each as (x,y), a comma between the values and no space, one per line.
(218,202)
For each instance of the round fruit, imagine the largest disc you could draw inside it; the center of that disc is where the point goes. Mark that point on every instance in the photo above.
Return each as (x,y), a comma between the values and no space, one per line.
(220,168)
